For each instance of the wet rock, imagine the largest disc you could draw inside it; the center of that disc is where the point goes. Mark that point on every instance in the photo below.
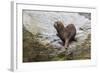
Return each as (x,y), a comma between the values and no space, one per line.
(87,15)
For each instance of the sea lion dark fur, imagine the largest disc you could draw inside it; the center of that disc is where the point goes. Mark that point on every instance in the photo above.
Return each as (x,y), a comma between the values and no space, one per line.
(66,34)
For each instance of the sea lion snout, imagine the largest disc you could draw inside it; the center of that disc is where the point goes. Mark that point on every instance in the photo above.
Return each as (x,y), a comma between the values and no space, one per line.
(55,24)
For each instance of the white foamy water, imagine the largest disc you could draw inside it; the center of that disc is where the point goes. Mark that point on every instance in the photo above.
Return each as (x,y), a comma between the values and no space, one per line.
(43,22)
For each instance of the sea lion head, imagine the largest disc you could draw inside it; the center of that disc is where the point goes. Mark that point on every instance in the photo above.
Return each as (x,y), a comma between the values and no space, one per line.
(58,25)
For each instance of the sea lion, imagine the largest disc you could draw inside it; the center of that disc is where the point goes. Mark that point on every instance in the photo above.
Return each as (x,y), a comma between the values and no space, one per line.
(66,34)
